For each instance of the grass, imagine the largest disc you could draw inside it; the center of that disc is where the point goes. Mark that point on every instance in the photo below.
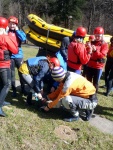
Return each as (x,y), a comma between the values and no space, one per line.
(26,128)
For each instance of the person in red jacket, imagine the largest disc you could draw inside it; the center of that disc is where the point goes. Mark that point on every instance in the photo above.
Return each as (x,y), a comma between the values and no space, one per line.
(16,60)
(77,53)
(98,57)
(7,46)
(88,47)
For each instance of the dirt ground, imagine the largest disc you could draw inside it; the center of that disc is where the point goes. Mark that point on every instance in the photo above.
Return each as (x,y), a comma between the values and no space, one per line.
(65,133)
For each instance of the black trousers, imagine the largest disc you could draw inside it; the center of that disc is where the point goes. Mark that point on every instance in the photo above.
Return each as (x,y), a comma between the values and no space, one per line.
(16,62)
(5,83)
(108,68)
(110,80)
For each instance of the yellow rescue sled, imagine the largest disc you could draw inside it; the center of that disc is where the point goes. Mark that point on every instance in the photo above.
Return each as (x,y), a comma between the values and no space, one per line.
(49,30)
(42,41)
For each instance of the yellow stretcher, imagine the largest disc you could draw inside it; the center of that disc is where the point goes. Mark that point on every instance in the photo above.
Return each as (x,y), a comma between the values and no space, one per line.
(47,35)
(49,30)
(41,40)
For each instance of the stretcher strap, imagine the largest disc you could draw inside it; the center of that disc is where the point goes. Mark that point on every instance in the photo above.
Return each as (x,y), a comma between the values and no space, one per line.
(47,36)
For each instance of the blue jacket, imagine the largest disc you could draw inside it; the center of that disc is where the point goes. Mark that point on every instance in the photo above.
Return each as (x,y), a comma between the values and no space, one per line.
(34,61)
(39,68)
(21,36)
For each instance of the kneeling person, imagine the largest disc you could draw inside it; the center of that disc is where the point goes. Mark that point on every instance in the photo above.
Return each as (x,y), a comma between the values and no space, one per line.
(74,93)
(33,72)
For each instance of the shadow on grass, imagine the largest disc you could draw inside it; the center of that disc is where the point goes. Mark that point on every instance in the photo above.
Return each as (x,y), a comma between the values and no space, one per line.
(102,92)
(106,111)
(20,102)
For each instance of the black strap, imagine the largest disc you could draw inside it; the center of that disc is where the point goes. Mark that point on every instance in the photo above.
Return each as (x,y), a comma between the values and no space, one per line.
(66,76)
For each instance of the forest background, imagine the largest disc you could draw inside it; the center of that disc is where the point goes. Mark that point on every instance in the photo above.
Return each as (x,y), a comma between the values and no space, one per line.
(65,13)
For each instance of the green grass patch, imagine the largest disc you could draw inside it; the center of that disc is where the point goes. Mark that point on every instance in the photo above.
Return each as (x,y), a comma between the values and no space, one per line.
(26,128)
(29,51)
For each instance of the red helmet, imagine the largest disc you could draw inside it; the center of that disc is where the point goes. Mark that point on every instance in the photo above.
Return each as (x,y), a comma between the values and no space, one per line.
(98,30)
(55,61)
(91,37)
(3,22)
(81,31)
(13,19)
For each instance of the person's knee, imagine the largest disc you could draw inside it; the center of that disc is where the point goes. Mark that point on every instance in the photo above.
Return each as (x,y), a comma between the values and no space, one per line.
(67,102)
(8,84)
(90,106)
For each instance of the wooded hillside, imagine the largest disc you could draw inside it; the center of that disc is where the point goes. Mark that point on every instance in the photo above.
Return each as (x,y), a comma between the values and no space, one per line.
(66,13)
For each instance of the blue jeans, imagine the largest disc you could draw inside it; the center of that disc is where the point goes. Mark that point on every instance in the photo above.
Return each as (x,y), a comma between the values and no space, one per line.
(16,62)
(5,83)
(73,70)
(94,75)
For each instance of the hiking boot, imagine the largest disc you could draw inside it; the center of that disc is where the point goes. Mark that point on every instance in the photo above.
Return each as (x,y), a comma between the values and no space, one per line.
(14,94)
(29,98)
(70,119)
(6,103)
(89,114)
(2,114)
(106,94)
(24,92)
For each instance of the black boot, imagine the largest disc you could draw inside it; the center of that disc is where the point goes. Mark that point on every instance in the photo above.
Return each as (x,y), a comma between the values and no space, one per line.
(89,114)
(23,91)
(2,112)
(29,98)
(74,114)
(106,94)
(14,93)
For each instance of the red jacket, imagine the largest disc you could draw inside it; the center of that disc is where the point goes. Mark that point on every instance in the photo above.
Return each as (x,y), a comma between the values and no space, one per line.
(77,55)
(7,45)
(98,57)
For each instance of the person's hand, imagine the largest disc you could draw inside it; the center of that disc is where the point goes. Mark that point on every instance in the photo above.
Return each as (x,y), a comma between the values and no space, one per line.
(16,28)
(43,100)
(94,48)
(42,91)
(39,95)
(52,89)
(7,29)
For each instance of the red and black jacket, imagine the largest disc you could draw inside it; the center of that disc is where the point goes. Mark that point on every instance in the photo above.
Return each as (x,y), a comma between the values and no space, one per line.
(7,46)
(77,55)
(98,57)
